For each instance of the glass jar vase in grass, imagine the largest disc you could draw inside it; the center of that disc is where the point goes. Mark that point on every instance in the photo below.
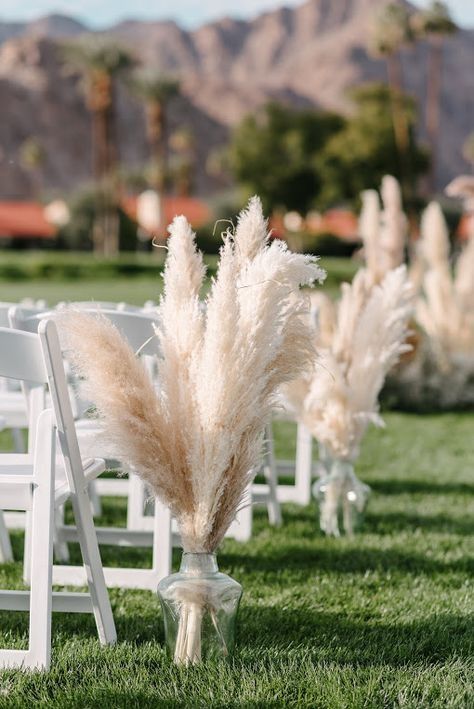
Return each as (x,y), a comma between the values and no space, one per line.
(200,607)
(196,439)
(342,499)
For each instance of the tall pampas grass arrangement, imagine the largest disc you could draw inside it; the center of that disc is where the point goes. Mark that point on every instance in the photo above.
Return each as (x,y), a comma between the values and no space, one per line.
(383,231)
(445,312)
(338,397)
(196,438)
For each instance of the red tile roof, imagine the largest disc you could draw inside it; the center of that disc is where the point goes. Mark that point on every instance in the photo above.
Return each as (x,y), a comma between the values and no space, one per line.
(196,211)
(465,228)
(24,220)
(340,222)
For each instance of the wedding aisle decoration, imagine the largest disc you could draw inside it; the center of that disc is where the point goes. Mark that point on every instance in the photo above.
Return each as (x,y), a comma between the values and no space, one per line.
(358,341)
(439,372)
(383,231)
(196,438)
(445,312)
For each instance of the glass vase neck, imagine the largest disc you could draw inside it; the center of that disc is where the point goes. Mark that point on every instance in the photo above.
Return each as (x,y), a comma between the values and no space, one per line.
(341,468)
(198,563)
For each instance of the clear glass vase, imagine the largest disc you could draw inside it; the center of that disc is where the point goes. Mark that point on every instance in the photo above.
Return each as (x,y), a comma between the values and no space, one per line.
(342,499)
(200,606)
(324,460)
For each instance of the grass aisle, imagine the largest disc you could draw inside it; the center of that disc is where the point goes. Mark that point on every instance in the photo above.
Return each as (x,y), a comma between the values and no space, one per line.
(384,620)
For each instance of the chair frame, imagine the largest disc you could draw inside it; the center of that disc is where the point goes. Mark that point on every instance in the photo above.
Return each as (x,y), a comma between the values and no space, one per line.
(138,328)
(31,484)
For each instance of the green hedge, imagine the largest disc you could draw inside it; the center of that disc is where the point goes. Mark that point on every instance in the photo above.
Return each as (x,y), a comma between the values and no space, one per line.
(62,266)
(68,266)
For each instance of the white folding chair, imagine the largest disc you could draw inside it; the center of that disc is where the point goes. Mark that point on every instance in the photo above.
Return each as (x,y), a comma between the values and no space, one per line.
(302,468)
(12,401)
(37,482)
(6,553)
(300,492)
(138,328)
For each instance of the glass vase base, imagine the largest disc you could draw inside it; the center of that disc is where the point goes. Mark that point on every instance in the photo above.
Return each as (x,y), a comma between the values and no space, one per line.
(342,500)
(199,606)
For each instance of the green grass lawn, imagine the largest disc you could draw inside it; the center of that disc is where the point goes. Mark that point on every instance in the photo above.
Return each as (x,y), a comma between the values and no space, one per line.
(383,620)
(134,290)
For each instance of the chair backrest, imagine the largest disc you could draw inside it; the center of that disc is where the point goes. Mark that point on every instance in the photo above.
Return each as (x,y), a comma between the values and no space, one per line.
(27,319)
(21,357)
(101,305)
(36,360)
(4,308)
(135,327)
(59,392)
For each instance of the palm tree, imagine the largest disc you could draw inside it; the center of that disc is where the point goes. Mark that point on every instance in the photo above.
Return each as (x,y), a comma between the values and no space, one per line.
(434,24)
(32,158)
(156,91)
(390,33)
(184,146)
(468,150)
(100,60)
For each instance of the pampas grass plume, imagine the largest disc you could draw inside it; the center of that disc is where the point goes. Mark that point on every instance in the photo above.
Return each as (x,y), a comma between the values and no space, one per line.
(196,437)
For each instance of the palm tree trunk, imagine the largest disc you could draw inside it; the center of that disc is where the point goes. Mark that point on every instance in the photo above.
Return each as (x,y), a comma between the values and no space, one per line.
(400,126)
(105,234)
(100,161)
(156,130)
(111,246)
(433,103)
(156,136)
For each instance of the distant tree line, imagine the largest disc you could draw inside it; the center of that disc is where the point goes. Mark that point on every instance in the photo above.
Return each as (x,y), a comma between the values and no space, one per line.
(303,159)
(294,159)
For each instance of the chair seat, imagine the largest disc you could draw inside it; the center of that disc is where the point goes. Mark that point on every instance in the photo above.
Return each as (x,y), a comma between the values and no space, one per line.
(16,469)
(13,409)
(93,467)
(13,464)
(91,442)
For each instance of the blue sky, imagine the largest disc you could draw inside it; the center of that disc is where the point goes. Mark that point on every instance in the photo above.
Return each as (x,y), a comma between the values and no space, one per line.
(189,13)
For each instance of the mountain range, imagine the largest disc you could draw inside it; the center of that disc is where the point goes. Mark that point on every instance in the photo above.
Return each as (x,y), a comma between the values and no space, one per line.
(309,55)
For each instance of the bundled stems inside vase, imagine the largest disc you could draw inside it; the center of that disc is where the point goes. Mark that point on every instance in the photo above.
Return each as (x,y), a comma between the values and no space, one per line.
(342,498)
(200,606)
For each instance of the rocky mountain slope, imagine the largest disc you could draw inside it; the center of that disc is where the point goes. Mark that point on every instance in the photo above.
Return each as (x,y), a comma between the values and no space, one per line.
(308,55)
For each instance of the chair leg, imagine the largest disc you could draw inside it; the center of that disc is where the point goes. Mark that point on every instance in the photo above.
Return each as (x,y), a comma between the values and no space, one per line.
(271,477)
(61,549)
(6,553)
(94,497)
(241,527)
(135,502)
(93,565)
(18,440)
(303,465)
(162,541)
(27,549)
(39,653)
